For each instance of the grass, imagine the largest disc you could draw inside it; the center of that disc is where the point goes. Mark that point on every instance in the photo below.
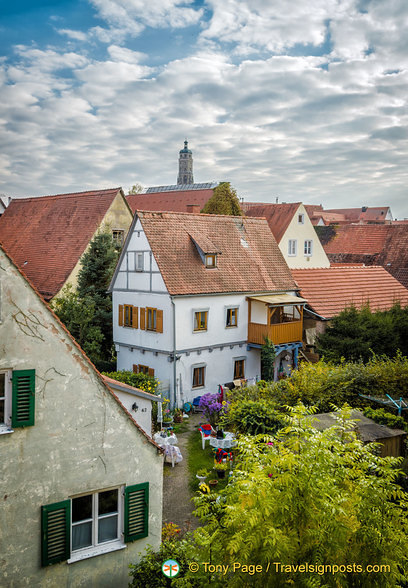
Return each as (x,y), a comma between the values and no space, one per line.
(199,458)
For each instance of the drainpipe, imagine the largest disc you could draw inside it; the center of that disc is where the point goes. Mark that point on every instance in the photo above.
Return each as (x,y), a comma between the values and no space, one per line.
(173,404)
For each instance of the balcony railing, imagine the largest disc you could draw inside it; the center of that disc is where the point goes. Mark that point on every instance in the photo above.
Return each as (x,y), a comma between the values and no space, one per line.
(280,333)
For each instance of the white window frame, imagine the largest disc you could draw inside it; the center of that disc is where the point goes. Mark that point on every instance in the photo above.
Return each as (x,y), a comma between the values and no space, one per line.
(211,260)
(308,247)
(7,400)
(139,261)
(301,218)
(98,548)
(292,247)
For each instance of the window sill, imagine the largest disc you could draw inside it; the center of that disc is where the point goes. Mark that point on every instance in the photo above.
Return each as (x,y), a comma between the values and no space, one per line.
(231,326)
(200,330)
(5,430)
(97,550)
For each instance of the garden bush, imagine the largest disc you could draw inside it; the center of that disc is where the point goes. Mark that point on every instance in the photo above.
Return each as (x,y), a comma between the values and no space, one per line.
(252,417)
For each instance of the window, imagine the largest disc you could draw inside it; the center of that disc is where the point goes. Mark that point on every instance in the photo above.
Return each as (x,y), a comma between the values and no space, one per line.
(118,236)
(292,247)
(17,399)
(91,524)
(128,316)
(198,376)
(151,319)
(239,369)
(308,247)
(232,317)
(211,261)
(139,261)
(301,219)
(143,369)
(200,320)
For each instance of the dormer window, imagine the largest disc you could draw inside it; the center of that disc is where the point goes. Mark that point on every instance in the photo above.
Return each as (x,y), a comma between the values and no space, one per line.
(211,260)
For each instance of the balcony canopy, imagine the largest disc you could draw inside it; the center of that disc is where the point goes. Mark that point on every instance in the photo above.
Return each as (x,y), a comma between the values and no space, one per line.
(279,299)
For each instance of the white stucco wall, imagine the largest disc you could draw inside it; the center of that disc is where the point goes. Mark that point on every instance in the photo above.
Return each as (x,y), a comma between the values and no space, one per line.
(302,232)
(82,441)
(143,414)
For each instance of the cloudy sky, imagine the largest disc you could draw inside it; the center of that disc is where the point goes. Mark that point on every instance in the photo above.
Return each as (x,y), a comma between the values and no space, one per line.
(301,100)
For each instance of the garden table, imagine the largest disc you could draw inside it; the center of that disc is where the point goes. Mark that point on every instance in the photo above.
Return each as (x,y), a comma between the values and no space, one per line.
(226,443)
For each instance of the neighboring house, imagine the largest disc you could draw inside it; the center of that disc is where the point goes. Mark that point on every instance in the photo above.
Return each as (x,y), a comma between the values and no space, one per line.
(385,245)
(178,198)
(292,229)
(195,295)
(137,402)
(80,481)
(363,215)
(48,235)
(4,202)
(391,440)
(331,290)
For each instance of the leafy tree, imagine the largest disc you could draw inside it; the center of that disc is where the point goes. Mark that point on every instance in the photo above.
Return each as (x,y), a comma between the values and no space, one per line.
(87,312)
(268,355)
(307,497)
(355,334)
(223,201)
(136,189)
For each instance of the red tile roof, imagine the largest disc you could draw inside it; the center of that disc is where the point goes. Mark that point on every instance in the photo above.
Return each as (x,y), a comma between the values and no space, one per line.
(364,213)
(47,235)
(172,201)
(331,290)
(358,239)
(277,215)
(249,259)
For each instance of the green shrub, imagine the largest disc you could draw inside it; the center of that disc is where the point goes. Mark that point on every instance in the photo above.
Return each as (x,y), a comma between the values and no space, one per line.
(141,381)
(253,417)
(383,417)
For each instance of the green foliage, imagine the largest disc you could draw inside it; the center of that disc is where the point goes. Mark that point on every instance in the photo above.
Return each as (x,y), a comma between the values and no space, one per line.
(315,497)
(252,417)
(87,312)
(136,189)
(355,334)
(148,572)
(268,355)
(223,201)
(383,417)
(141,381)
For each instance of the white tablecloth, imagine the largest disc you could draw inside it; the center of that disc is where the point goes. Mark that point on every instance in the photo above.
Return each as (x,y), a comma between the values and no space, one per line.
(172,440)
(226,443)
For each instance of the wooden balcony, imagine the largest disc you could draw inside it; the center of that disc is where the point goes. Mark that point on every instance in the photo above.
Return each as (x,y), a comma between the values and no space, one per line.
(281,333)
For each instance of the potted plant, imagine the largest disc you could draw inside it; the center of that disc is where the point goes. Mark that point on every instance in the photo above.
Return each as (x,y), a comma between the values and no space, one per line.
(178,415)
(201,475)
(167,418)
(213,482)
(221,468)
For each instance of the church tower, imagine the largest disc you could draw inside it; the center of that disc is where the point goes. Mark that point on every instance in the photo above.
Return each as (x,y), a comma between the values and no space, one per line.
(185,175)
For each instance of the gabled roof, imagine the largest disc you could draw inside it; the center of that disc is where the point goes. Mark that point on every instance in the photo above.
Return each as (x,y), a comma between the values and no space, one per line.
(171,200)
(331,290)
(47,235)
(277,215)
(363,214)
(84,358)
(358,239)
(249,258)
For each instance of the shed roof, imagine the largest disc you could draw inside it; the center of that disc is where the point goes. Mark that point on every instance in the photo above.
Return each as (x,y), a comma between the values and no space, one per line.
(249,261)
(47,235)
(331,290)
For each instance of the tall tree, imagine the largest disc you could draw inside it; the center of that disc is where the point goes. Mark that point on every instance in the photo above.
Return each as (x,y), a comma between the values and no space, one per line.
(223,201)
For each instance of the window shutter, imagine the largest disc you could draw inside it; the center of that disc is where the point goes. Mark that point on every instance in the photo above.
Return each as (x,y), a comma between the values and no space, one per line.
(121,315)
(55,532)
(23,399)
(159,321)
(135,317)
(143,319)
(136,512)
(135,368)
(151,372)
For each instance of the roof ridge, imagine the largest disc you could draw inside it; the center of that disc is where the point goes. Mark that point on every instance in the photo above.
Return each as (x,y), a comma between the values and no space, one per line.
(67,195)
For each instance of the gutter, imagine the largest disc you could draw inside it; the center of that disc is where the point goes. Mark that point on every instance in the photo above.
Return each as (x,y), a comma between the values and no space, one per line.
(323,318)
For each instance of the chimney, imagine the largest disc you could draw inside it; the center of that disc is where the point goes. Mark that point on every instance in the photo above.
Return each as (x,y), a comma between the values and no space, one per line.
(193,208)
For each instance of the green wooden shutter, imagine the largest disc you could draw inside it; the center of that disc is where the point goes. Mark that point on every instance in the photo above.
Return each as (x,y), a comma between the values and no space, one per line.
(23,402)
(136,512)
(55,532)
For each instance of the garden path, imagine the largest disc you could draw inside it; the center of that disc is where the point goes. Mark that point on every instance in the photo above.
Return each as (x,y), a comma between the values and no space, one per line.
(177,505)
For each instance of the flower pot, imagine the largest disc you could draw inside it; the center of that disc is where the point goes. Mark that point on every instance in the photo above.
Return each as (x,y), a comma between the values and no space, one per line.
(201,479)
(221,473)
(213,482)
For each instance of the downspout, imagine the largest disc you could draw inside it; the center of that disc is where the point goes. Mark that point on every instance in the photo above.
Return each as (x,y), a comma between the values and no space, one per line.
(173,404)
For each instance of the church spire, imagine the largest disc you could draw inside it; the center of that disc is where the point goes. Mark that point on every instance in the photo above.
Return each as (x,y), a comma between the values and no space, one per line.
(185,175)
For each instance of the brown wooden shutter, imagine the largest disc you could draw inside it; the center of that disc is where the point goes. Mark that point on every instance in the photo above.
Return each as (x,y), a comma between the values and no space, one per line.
(121,315)
(151,372)
(159,321)
(135,317)
(143,319)
(135,368)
